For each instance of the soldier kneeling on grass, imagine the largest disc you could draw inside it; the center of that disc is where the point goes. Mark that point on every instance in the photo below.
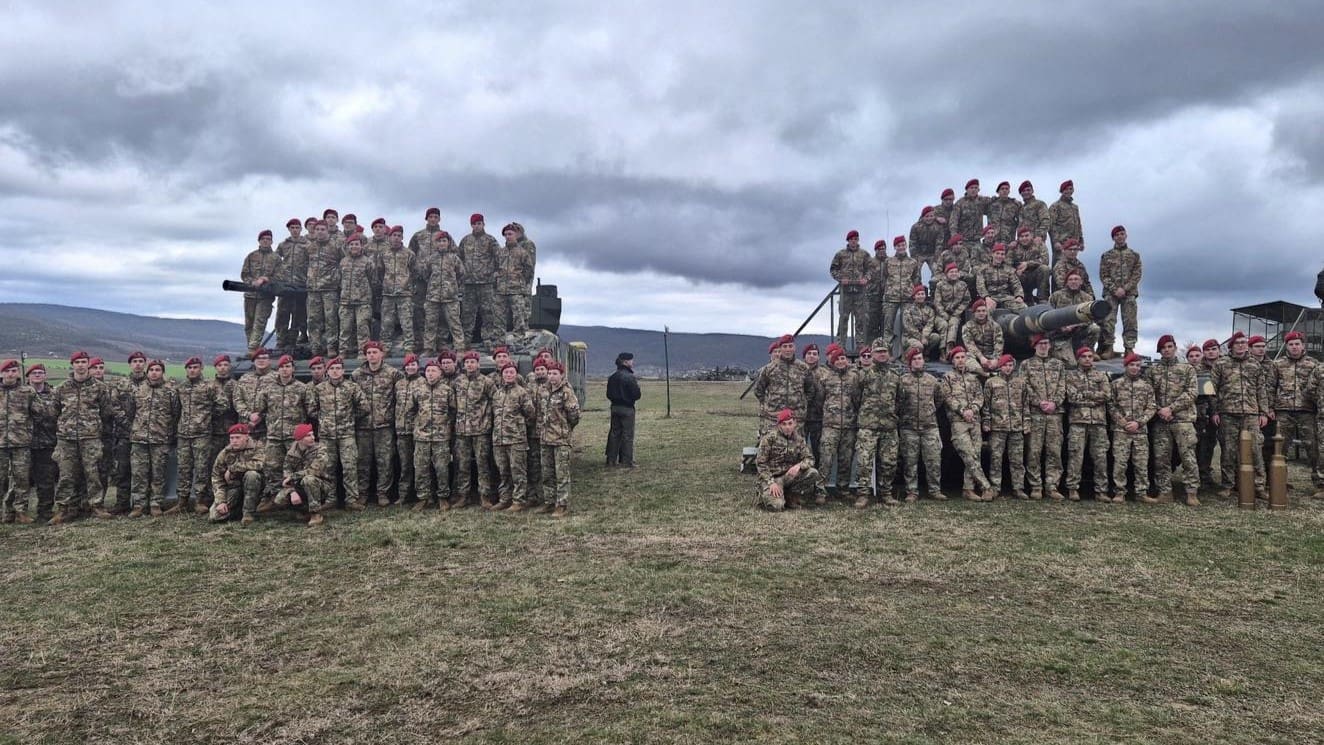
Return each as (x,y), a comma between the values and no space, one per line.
(236,477)
(305,488)
(786,467)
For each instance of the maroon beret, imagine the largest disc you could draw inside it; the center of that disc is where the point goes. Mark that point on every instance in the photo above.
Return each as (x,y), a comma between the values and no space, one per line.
(373,344)
(292,222)
(432,211)
(1117,229)
(880,243)
(1002,184)
(156,363)
(238,429)
(218,359)
(1065,185)
(955,240)
(317,361)
(1025,185)
(999,248)
(191,361)
(137,356)
(926,210)
(1082,351)
(9,365)
(808,348)
(785,339)
(36,367)
(476,217)
(947,193)
(378,221)
(411,357)
(1294,335)
(1256,339)
(784,415)
(918,290)
(470,355)
(852,235)
(1165,339)
(1210,344)
(397,229)
(284,360)
(972,182)
(900,240)
(350,216)
(329,211)
(1132,357)
(302,431)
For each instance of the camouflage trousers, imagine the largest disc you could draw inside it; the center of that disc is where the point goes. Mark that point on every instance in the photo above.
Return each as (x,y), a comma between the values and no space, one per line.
(1094,439)
(1010,303)
(432,460)
(853,306)
(342,466)
(1301,426)
(925,444)
(317,494)
(889,314)
(291,320)
(273,471)
(513,312)
(398,311)
(323,321)
(1131,450)
(149,473)
(1043,452)
(445,316)
(15,475)
(512,472)
(877,446)
(479,313)
(1164,438)
(376,450)
(967,442)
(106,469)
(195,458)
(556,475)
(355,327)
(418,308)
(77,461)
(246,492)
(949,327)
(218,443)
(929,260)
(1011,447)
(806,484)
(473,452)
(257,311)
(121,471)
(837,447)
(404,454)
(1232,425)
(534,467)
(813,437)
(1130,328)
(931,343)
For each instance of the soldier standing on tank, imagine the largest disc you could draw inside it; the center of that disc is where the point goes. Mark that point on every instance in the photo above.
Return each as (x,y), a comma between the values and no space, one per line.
(420,245)
(292,312)
(917,409)
(1004,424)
(398,272)
(900,274)
(927,238)
(514,283)
(1045,391)
(963,396)
(1088,394)
(850,269)
(1174,422)
(876,439)
(968,213)
(260,267)
(943,210)
(478,252)
(359,276)
(1119,272)
(443,273)
(873,292)
(1034,212)
(1004,213)
(1132,407)
(323,298)
(1064,218)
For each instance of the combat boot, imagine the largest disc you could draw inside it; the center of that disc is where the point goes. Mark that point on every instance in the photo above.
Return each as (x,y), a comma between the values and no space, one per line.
(911,497)
(383,502)
(247,519)
(1056,495)
(1165,497)
(156,510)
(486,503)
(501,506)
(970,495)
(1119,498)
(1019,494)
(267,504)
(135,512)
(199,508)
(546,508)
(23,518)
(175,508)
(821,498)
(1036,495)
(420,505)
(1146,499)
(356,505)
(316,519)
(560,511)
(1192,501)
(101,513)
(862,501)
(517,507)
(7,519)
(1073,495)
(61,517)
(938,496)
(459,503)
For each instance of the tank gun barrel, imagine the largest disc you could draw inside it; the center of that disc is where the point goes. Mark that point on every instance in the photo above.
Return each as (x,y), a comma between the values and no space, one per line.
(1041,319)
(274,289)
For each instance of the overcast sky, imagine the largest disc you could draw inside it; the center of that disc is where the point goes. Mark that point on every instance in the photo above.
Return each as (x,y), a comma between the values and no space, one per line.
(693,164)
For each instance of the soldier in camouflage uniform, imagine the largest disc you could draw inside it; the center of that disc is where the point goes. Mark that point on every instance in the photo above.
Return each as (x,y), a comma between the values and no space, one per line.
(323,283)
(558,413)
(226,415)
(283,404)
(338,404)
(961,253)
(1293,397)
(473,432)
(245,398)
(359,279)
(850,269)
(404,428)
(968,213)
(44,473)
(1088,394)
(1174,422)
(430,405)
(154,411)
(1064,218)
(943,210)
(81,404)
(305,470)
(398,283)
(1034,212)
(512,410)
(106,464)
(951,296)
(236,477)
(20,408)
(928,237)
(1077,334)
(900,274)
(917,408)
(1131,408)
(999,281)
(478,308)
(1004,213)
(261,266)
(963,396)
(1068,262)
(292,312)
(813,422)
(920,327)
(840,400)
(374,430)
(121,467)
(1119,272)
(1045,391)
(982,340)
(1030,259)
(1207,404)
(786,467)
(332,220)
(443,275)
(421,246)
(1242,405)
(514,283)
(1004,423)
(784,383)
(876,439)
(200,404)
(873,292)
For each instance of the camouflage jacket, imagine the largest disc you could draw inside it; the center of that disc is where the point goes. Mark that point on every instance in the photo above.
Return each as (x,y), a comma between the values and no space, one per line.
(558,413)
(777,453)
(81,407)
(479,254)
(235,462)
(1267,363)
(1004,213)
(1065,298)
(1239,385)
(1004,403)
(968,216)
(927,240)
(1064,221)
(878,397)
(982,340)
(444,274)
(421,242)
(404,417)
(1034,215)
(785,385)
(512,410)
(121,417)
(1174,386)
(1133,401)
(473,404)
(43,419)
(1032,256)
(1294,384)
(514,271)
(814,411)
(397,272)
(1088,394)
(964,256)
(840,398)
(900,274)
(918,321)
(998,281)
(849,267)
(155,412)
(324,266)
(917,401)
(225,416)
(951,297)
(1064,266)
(1045,380)
(944,218)
(293,255)
(20,408)
(337,406)
(358,280)
(284,406)
(1120,268)
(261,262)
(432,406)
(246,401)
(199,403)
(531,247)
(378,394)
(304,461)
(961,390)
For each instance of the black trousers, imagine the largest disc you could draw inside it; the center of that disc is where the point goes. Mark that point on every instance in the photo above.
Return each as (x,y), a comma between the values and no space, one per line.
(620,438)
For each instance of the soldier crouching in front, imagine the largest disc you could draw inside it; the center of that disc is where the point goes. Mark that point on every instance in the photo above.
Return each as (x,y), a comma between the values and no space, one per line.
(236,477)
(786,467)
(305,486)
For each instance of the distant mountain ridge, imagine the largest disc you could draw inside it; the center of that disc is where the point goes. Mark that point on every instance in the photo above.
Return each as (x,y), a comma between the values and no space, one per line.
(49,330)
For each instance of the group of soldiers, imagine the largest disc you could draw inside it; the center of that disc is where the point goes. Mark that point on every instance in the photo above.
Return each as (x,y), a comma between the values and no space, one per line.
(423,435)
(991,249)
(337,287)
(843,417)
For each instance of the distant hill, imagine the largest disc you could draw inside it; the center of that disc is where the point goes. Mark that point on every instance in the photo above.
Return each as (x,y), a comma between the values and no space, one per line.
(47,330)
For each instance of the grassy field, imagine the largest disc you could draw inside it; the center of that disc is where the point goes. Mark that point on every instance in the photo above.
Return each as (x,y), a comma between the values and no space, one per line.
(668,609)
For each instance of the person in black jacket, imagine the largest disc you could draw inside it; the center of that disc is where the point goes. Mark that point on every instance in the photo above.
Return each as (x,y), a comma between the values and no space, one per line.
(622,391)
